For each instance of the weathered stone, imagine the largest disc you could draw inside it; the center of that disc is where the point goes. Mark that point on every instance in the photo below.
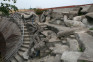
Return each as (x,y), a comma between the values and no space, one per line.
(11,34)
(86,8)
(57,22)
(64,41)
(39,45)
(30,16)
(25,56)
(73,44)
(65,33)
(72,36)
(2,46)
(56,15)
(49,12)
(90,14)
(57,58)
(77,18)
(47,19)
(78,24)
(76,10)
(87,40)
(85,21)
(42,18)
(70,56)
(90,9)
(90,32)
(73,23)
(60,48)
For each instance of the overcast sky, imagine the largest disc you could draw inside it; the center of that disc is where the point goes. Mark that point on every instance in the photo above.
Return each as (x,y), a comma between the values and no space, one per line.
(21,4)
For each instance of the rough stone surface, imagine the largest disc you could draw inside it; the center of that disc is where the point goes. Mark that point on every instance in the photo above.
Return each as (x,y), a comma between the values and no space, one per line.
(77,18)
(47,19)
(11,33)
(57,22)
(90,32)
(65,33)
(56,15)
(57,58)
(87,40)
(73,23)
(90,8)
(70,56)
(60,48)
(90,14)
(73,44)
(61,33)
(85,21)
(72,36)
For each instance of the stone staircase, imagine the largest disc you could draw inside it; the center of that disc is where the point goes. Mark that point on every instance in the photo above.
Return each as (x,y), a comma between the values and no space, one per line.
(18,57)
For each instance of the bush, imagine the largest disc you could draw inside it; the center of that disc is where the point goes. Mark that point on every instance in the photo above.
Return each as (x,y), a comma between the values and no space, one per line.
(91,29)
(5,8)
(39,11)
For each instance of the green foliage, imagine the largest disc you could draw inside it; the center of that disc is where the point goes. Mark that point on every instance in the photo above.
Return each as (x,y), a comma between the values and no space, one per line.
(81,49)
(5,8)
(91,29)
(30,8)
(38,11)
(83,61)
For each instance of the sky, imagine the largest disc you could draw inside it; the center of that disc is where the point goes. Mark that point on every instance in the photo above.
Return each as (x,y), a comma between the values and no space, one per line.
(26,4)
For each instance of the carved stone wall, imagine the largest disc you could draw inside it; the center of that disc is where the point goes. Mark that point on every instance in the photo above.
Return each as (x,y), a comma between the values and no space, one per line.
(11,34)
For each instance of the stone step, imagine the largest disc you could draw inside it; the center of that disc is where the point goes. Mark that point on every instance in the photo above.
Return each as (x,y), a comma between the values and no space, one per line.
(26,42)
(13,60)
(23,49)
(26,32)
(26,39)
(20,53)
(25,46)
(26,35)
(18,58)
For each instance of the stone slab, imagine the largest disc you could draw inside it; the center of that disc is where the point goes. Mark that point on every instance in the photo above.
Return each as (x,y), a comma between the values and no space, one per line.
(70,56)
(87,40)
